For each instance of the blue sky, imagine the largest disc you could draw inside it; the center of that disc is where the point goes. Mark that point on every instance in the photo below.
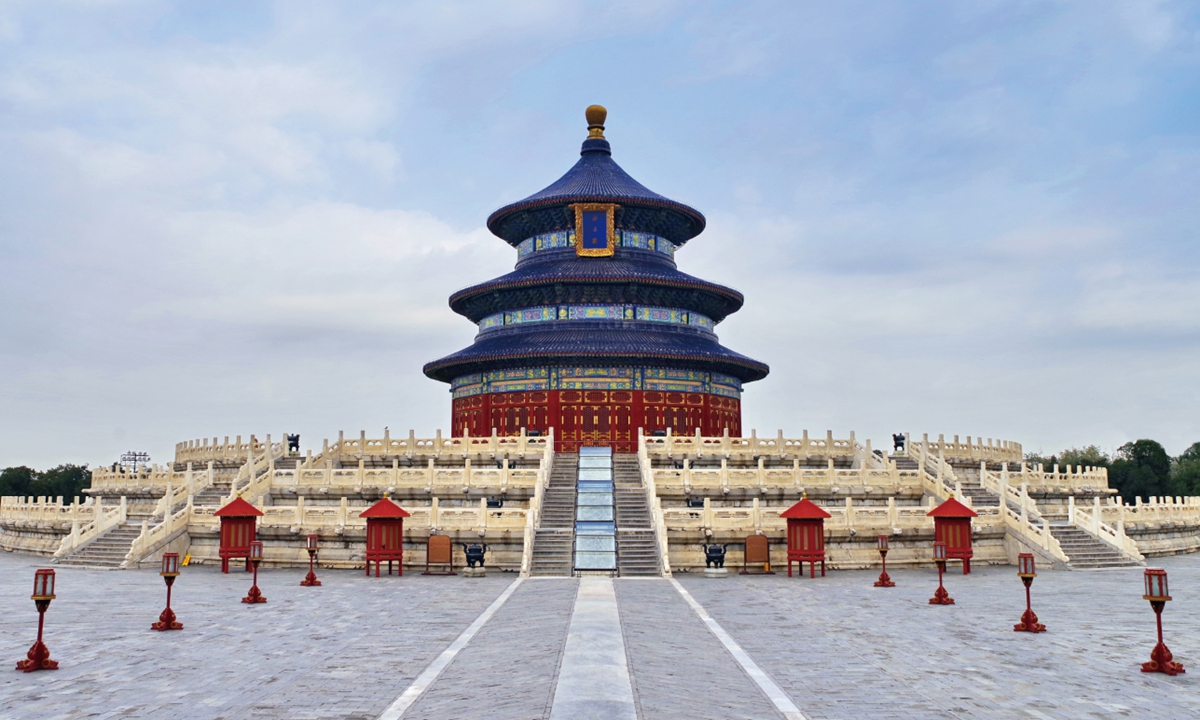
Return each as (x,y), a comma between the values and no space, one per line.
(224,218)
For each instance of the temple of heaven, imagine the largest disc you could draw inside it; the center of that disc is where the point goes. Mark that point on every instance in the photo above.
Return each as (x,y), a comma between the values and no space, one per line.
(595,333)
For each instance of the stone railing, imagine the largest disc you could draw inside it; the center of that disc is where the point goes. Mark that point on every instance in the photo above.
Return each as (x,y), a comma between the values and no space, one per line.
(1069,481)
(190,482)
(657,517)
(202,451)
(47,510)
(863,519)
(1157,510)
(146,479)
(103,521)
(466,447)
(533,515)
(747,449)
(424,520)
(993,451)
(430,479)
(1033,531)
(720,481)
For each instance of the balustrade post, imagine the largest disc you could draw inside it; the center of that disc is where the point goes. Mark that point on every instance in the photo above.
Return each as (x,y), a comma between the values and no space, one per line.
(795,472)
(343,508)
(893,515)
(849,513)
(361,474)
(761,473)
(300,510)
(435,513)
(1070,508)
(756,515)
(708,514)
(1096,515)
(724,473)
(830,472)
(466,474)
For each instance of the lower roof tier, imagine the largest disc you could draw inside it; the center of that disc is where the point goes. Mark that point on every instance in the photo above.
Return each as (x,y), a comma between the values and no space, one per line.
(570,343)
(631,276)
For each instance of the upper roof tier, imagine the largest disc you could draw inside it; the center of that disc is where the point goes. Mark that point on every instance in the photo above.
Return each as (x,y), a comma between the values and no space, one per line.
(596,178)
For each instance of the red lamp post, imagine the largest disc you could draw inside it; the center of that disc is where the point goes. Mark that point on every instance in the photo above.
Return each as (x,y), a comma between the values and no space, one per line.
(884,580)
(311,580)
(941,597)
(170,571)
(256,555)
(1161,659)
(1027,572)
(39,655)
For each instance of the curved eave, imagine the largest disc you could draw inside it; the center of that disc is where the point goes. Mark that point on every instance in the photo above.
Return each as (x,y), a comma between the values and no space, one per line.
(591,272)
(520,220)
(617,346)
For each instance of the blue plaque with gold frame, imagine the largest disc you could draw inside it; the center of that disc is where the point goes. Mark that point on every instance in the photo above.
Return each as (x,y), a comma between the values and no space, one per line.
(595,235)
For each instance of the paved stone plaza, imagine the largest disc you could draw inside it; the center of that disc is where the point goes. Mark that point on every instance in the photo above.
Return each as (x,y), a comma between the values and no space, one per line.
(837,647)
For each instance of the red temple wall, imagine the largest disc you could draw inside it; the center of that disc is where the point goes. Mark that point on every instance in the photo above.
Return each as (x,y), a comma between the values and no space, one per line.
(597,417)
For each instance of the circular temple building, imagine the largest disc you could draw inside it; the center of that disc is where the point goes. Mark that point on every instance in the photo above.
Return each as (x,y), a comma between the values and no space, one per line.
(596,333)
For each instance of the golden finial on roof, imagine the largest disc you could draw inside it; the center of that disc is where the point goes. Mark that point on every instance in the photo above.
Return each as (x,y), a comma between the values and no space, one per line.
(595,115)
(239,493)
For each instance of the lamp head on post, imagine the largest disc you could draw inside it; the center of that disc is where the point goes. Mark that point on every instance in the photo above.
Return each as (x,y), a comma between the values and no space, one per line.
(1025,566)
(312,543)
(256,552)
(43,588)
(1156,585)
(170,567)
(882,543)
(939,553)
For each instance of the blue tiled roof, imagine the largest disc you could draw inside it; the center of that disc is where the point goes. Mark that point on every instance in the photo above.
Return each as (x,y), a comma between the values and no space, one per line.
(596,178)
(618,343)
(647,271)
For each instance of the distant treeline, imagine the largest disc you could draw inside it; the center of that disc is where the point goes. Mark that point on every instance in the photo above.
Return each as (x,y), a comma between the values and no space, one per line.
(1137,469)
(65,480)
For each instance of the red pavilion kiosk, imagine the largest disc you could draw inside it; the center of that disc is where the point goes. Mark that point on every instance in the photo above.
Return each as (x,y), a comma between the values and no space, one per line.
(237,530)
(385,534)
(806,536)
(952,525)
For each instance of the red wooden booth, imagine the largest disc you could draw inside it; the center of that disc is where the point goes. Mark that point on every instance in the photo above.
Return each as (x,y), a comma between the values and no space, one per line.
(806,536)
(385,535)
(237,531)
(952,525)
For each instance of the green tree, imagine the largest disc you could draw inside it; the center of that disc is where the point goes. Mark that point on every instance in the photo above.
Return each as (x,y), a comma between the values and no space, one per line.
(1090,456)
(1140,469)
(1185,472)
(66,481)
(17,480)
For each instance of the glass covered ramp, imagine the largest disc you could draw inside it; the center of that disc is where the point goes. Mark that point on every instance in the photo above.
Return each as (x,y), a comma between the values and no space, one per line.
(595,527)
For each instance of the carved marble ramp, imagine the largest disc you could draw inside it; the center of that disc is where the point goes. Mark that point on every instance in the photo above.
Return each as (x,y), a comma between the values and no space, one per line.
(593,680)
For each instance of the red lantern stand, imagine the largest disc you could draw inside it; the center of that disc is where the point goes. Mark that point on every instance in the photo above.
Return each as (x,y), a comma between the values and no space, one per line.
(255,595)
(941,597)
(237,530)
(310,580)
(170,571)
(1161,659)
(385,535)
(805,536)
(952,526)
(884,580)
(38,657)
(1027,572)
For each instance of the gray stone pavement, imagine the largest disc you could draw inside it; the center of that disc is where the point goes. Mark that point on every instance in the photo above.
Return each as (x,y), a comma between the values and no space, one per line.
(844,649)
(839,647)
(679,668)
